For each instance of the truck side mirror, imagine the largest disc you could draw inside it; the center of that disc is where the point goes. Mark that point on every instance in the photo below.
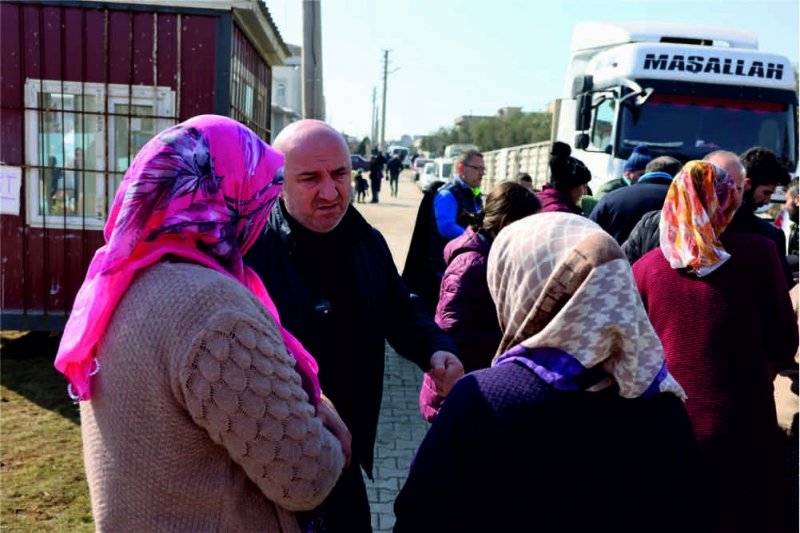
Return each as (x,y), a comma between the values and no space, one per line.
(582,83)
(583,112)
(581,141)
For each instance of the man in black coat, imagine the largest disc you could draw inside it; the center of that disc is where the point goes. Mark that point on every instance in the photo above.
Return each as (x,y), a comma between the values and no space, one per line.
(620,210)
(764,172)
(328,270)
(394,167)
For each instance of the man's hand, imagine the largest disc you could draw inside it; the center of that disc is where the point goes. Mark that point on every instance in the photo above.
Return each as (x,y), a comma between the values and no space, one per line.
(445,371)
(331,420)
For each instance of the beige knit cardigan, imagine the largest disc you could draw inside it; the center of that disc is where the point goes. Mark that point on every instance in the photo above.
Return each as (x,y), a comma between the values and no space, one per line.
(198,421)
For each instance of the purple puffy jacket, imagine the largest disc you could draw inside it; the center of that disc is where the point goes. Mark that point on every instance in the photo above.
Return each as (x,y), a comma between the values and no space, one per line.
(466,311)
(554,200)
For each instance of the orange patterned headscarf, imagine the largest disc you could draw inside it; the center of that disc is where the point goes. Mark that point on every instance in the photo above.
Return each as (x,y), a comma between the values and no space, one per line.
(700,204)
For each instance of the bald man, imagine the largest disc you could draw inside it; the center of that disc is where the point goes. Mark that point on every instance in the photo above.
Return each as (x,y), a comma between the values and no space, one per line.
(336,287)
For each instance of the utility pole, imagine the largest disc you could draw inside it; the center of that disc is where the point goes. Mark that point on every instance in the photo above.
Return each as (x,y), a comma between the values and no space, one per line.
(373,138)
(313,106)
(383,106)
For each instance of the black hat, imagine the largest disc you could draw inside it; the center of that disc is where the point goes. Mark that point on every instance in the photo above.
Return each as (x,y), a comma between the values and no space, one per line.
(566,172)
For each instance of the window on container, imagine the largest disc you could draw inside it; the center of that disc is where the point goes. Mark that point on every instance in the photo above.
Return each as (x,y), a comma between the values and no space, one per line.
(67,149)
(69,182)
(250,89)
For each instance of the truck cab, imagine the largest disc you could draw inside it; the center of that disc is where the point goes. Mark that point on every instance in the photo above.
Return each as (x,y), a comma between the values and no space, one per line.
(683,90)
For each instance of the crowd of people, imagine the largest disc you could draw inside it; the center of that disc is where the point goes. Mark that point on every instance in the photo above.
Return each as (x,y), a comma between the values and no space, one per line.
(381,167)
(569,387)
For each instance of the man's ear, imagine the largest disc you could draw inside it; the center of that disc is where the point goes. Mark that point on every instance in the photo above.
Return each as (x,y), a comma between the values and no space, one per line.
(748,184)
(460,169)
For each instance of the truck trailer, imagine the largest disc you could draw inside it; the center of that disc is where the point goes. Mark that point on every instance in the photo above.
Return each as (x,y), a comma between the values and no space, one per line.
(683,90)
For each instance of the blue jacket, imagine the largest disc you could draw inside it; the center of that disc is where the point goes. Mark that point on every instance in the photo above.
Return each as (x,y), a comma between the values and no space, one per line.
(453,198)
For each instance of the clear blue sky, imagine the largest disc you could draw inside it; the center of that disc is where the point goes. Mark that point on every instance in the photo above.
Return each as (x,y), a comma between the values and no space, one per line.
(460,57)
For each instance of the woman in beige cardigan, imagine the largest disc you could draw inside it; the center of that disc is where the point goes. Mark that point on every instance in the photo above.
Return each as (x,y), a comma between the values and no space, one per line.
(199,411)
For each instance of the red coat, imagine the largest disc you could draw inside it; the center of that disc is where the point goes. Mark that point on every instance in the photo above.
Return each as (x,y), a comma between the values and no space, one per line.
(719,332)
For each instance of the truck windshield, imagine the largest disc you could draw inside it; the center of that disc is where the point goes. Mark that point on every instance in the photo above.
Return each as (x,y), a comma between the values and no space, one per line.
(689,127)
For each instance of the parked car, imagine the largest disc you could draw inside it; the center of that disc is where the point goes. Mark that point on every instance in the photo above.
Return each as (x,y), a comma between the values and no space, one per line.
(427,176)
(444,168)
(440,169)
(419,164)
(359,163)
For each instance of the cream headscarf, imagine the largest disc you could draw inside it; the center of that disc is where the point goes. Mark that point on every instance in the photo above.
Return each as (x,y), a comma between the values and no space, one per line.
(569,308)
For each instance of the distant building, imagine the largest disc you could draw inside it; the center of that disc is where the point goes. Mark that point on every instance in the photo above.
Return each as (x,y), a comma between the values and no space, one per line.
(287,91)
(464,120)
(506,111)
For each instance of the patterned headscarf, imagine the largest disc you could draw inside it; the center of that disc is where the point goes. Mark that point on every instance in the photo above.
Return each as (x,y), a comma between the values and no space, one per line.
(201,190)
(700,204)
(570,311)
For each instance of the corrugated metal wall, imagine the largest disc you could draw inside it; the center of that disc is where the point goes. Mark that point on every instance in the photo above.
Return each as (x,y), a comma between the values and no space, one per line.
(506,163)
(96,51)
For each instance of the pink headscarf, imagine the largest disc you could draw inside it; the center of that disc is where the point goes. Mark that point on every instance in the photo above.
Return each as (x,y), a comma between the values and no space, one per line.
(201,190)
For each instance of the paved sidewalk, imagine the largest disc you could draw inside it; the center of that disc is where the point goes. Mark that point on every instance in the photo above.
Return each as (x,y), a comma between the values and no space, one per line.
(401,427)
(400,430)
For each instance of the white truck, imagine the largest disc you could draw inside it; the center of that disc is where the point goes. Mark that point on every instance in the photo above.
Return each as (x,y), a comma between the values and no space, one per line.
(683,90)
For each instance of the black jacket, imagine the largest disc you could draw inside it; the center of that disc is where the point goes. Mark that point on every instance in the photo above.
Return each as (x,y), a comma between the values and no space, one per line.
(343,307)
(620,210)
(394,166)
(646,236)
(418,275)
(745,221)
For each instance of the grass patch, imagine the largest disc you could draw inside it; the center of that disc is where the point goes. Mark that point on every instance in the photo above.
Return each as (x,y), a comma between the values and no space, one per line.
(41,455)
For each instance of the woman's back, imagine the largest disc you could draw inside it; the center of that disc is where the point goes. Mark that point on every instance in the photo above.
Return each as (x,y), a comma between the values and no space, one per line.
(550,460)
(727,325)
(720,332)
(178,385)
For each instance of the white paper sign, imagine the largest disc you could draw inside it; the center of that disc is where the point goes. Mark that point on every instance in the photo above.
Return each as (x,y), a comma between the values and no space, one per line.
(10,184)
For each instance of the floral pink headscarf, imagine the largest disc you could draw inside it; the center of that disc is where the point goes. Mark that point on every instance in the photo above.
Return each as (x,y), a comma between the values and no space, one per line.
(201,190)
(699,206)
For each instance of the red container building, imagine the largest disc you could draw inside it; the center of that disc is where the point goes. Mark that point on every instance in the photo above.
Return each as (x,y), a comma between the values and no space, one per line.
(83,85)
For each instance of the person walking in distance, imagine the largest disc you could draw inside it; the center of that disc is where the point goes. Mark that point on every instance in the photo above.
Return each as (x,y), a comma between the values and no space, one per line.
(394,167)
